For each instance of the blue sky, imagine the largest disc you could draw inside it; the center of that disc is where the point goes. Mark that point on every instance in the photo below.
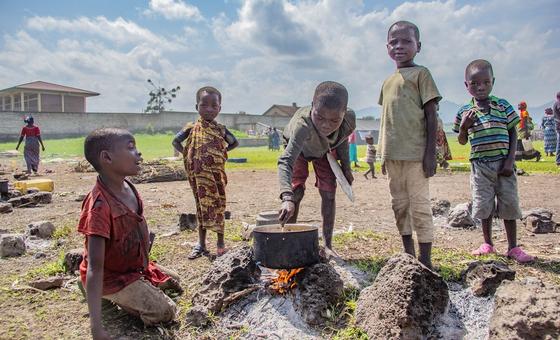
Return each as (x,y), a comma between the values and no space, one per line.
(261,52)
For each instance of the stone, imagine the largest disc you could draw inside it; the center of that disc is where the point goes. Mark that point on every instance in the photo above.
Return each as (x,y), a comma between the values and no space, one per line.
(12,245)
(232,272)
(32,190)
(247,232)
(41,197)
(49,283)
(484,277)
(404,301)
(440,207)
(41,229)
(6,208)
(267,218)
(526,309)
(319,288)
(187,222)
(80,198)
(539,221)
(72,260)
(460,216)
(39,255)
(227,215)
(352,277)
(198,316)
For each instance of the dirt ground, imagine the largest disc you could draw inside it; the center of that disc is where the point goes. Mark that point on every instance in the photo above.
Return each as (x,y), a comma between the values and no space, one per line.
(62,313)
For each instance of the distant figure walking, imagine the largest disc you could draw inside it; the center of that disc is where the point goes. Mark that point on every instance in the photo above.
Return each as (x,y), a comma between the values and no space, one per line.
(443,152)
(556,110)
(353,149)
(549,128)
(371,154)
(274,139)
(525,149)
(31,151)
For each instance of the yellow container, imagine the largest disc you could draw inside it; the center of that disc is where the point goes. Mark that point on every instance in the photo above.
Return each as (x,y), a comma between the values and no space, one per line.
(43,184)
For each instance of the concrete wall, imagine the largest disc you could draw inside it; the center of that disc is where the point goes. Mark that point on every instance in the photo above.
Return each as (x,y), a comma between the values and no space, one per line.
(62,125)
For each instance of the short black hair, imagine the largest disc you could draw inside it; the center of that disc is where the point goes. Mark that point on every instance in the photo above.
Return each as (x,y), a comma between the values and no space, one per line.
(406,24)
(101,140)
(330,94)
(479,64)
(208,89)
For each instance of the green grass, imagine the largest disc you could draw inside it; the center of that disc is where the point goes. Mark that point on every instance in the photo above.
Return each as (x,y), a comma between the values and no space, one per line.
(450,263)
(260,158)
(48,269)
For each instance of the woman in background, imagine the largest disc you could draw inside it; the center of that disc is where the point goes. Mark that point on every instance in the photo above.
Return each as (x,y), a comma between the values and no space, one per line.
(31,151)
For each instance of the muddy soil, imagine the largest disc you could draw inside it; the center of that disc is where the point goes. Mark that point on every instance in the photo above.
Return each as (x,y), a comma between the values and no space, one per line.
(63,314)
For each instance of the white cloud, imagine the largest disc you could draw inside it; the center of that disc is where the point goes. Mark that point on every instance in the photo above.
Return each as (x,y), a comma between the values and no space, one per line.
(174,10)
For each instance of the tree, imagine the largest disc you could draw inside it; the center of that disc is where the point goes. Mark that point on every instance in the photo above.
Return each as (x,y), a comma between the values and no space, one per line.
(159,97)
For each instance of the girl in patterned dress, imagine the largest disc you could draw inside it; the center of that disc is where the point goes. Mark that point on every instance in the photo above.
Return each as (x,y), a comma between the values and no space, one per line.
(204,155)
(549,128)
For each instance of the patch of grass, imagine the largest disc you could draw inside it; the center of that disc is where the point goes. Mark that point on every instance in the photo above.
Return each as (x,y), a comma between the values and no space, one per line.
(450,263)
(350,333)
(233,231)
(362,235)
(371,265)
(158,251)
(63,232)
(48,269)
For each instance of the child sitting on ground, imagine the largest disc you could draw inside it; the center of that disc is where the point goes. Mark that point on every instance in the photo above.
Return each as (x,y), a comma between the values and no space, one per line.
(408,138)
(205,155)
(371,153)
(489,123)
(116,264)
(313,132)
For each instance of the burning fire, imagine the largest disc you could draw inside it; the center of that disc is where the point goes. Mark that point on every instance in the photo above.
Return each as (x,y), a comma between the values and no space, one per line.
(285,280)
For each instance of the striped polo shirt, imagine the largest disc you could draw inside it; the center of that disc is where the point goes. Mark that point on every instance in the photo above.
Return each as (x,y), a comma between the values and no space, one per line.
(488,135)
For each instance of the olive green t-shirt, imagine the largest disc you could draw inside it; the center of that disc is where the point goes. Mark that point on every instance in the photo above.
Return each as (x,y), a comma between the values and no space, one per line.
(403,125)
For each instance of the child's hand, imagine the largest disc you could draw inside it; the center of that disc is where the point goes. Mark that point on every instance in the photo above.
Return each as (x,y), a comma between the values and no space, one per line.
(429,164)
(468,119)
(383,169)
(286,211)
(506,170)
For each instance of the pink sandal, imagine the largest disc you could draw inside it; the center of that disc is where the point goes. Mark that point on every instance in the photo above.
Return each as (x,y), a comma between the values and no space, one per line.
(484,249)
(519,255)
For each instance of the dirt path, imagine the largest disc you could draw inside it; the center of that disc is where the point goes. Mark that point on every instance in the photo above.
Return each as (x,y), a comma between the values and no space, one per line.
(62,314)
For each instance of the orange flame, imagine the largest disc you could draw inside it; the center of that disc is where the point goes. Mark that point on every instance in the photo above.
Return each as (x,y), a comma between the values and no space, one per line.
(285,280)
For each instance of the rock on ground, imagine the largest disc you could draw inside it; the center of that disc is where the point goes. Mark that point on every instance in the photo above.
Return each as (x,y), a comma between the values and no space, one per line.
(41,229)
(230,273)
(539,221)
(12,245)
(460,216)
(441,207)
(319,288)
(198,316)
(6,208)
(49,283)
(41,197)
(187,222)
(527,309)
(403,302)
(485,276)
(72,260)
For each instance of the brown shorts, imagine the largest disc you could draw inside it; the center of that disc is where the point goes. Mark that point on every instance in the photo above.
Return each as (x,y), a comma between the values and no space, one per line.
(325,179)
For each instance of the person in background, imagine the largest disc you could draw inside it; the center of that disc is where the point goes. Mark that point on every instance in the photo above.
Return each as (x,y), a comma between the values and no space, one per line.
(525,147)
(32,136)
(549,130)
(275,139)
(371,153)
(353,149)
(443,152)
(556,111)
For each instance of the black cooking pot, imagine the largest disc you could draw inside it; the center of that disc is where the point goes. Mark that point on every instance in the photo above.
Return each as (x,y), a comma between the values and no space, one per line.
(294,246)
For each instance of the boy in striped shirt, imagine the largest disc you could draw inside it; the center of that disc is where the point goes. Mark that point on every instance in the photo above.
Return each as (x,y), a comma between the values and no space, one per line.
(489,123)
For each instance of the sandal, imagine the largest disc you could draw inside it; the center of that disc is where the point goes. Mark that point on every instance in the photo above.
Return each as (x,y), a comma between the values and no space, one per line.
(197,252)
(484,249)
(519,255)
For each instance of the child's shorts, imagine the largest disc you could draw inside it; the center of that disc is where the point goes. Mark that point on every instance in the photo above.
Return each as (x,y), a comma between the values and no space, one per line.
(325,179)
(492,192)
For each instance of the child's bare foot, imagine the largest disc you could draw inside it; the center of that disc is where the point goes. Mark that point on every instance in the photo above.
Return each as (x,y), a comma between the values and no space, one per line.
(221,251)
(373,177)
(365,175)
(331,254)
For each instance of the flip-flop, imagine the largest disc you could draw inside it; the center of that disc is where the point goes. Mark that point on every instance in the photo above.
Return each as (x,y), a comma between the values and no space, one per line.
(484,249)
(197,252)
